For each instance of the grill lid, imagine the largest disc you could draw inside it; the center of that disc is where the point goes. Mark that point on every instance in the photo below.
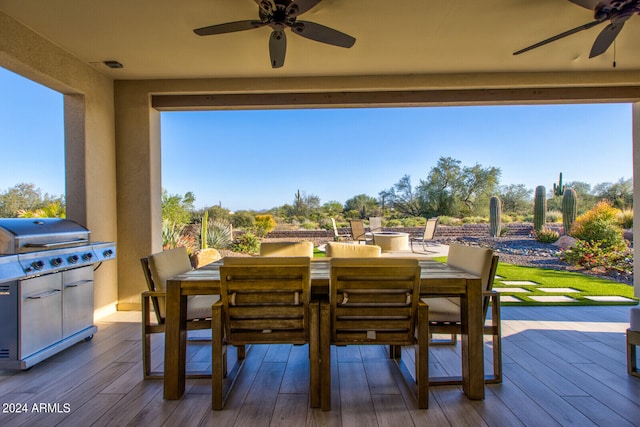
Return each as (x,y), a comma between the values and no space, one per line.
(20,235)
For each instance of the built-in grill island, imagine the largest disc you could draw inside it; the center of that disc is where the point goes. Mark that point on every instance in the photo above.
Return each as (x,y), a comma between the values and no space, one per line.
(46,287)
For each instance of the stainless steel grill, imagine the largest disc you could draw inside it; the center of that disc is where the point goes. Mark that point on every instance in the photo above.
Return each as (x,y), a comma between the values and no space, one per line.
(46,287)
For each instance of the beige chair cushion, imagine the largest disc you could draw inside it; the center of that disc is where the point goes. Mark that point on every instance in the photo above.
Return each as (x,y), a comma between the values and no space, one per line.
(167,264)
(287,249)
(347,250)
(471,259)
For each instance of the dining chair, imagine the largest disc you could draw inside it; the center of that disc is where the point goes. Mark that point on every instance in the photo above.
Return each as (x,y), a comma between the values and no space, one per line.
(264,300)
(157,268)
(288,249)
(445,315)
(349,250)
(427,234)
(375,301)
(357,230)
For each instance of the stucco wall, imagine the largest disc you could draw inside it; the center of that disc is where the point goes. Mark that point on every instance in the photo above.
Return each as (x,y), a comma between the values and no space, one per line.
(89,137)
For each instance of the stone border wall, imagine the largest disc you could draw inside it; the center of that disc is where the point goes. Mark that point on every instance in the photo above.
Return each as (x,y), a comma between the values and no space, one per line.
(442,231)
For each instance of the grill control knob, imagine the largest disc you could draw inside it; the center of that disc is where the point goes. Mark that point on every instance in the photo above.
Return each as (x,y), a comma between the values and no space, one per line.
(107,253)
(87,256)
(37,265)
(56,262)
(73,259)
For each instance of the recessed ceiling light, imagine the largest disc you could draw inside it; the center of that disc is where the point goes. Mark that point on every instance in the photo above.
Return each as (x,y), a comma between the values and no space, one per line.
(113,64)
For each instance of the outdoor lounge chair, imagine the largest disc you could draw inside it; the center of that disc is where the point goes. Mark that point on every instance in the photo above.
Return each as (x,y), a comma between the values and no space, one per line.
(357,230)
(445,316)
(336,236)
(264,300)
(375,301)
(157,269)
(427,234)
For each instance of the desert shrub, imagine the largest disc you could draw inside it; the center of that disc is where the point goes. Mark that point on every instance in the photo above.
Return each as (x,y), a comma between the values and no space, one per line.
(394,223)
(592,255)
(219,234)
(174,236)
(475,220)
(506,219)
(625,218)
(415,221)
(264,225)
(247,243)
(547,235)
(449,220)
(600,224)
(554,215)
(309,225)
(243,219)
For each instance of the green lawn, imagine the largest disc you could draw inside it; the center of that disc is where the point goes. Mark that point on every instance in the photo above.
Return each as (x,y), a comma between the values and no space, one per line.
(541,278)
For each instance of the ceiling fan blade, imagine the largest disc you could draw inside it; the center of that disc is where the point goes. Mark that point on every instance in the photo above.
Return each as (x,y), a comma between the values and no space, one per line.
(587,4)
(558,37)
(298,7)
(605,38)
(277,48)
(229,27)
(322,34)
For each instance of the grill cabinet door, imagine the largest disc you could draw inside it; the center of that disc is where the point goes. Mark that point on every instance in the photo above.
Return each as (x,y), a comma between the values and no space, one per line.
(77,303)
(40,313)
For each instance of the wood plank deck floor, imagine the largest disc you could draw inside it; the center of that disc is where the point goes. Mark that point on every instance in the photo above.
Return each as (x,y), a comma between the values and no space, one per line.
(562,366)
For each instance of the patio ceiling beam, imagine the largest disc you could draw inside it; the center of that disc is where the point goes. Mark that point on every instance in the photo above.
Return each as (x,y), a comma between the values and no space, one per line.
(407,98)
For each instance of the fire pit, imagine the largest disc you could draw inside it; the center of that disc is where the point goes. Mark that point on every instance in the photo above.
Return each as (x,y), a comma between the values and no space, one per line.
(391,240)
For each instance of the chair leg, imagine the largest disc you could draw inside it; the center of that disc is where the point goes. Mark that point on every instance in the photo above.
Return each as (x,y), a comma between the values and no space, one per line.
(497,340)
(218,366)
(325,355)
(422,357)
(314,354)
(633,340)
(395,352)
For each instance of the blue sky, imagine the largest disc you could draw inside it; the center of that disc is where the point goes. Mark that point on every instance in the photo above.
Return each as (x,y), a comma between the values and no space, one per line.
(259,159)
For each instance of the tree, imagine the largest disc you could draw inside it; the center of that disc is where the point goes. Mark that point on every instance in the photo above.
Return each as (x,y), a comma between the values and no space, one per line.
(177,209)
(366,206)
(304,204)
(26,197)
(516,198)
(453,190)
(403,198)
(620,194)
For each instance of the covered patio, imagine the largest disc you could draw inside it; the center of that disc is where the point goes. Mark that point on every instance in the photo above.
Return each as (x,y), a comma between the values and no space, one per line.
(562,365)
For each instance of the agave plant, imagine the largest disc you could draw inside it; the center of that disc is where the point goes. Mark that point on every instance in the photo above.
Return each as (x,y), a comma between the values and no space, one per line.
(219,234)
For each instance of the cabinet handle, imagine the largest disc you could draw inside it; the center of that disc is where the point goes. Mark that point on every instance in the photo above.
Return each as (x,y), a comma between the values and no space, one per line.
(44,294)
(78,283)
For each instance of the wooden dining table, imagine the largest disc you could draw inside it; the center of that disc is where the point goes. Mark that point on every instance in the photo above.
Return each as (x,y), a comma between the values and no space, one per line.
(437,279)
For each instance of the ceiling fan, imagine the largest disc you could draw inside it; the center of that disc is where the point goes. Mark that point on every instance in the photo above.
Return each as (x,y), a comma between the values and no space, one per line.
(280,14)
(615,11)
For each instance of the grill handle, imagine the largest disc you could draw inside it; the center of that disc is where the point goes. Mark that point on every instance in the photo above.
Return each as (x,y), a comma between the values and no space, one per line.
(45,294)
(54,245)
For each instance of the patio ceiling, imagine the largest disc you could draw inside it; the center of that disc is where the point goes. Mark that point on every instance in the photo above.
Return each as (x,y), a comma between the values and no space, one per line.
(154,38)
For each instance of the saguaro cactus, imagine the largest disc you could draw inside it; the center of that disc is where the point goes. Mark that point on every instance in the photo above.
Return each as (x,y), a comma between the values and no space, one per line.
(558,190)
(204,229)
(539,208)
(495,216)
(569,209)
